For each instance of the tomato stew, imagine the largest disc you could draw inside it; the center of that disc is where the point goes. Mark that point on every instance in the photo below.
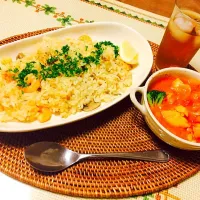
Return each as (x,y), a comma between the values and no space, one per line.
(179,110)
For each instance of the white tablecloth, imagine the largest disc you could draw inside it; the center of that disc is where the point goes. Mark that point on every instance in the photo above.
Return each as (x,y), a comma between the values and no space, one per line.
(21,16)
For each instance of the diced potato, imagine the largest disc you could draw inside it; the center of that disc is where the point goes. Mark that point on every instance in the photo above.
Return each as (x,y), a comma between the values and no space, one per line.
(196,129)
(174,118)
(190,137)
(182,110)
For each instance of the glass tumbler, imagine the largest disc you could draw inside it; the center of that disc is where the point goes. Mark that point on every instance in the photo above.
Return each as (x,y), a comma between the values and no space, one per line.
(181,40)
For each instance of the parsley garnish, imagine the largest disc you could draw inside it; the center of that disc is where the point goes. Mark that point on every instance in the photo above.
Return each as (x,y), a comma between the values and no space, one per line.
(29,69)
(65,49)
(52,60)
(107,43)
(63,64)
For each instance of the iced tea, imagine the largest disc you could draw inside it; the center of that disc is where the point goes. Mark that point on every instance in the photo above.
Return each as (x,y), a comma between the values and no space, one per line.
(181,40)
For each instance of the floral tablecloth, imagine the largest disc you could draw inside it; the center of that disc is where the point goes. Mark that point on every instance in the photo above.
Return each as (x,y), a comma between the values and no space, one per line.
(21,16)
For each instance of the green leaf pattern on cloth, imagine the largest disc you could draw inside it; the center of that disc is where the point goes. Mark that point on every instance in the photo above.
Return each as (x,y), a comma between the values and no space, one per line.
(48,9)
(18,1)
(123,13)
(65,20)
(68,19)
(29,3)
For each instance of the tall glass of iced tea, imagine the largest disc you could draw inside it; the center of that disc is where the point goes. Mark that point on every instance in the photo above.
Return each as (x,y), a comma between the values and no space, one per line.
(181,40)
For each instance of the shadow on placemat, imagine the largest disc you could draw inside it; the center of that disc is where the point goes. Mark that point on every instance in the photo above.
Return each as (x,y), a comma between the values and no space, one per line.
(120,128)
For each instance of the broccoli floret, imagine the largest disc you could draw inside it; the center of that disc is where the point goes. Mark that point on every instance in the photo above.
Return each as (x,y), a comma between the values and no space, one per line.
(155,97)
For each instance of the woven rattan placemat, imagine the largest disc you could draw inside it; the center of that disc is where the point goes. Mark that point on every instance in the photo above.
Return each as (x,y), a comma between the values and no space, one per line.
(120,128)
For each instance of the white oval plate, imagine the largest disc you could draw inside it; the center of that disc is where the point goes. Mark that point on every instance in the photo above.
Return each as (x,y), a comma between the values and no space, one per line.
(99,31)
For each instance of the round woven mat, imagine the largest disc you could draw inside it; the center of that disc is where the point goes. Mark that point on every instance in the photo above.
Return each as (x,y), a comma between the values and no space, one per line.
(120,128)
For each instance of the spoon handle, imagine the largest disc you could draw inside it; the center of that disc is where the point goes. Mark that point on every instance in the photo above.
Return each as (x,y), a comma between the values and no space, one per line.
(152,155)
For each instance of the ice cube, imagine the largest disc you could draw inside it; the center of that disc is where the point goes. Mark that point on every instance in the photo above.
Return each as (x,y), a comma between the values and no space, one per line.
(197,37)
(184,24)
(178,34)
(197,41)
(178,15)
(197,29)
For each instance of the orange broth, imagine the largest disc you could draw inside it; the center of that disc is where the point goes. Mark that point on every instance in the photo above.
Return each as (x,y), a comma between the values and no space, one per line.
(180,110)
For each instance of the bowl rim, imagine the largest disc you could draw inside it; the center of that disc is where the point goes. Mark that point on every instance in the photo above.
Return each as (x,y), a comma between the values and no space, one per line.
(157,74)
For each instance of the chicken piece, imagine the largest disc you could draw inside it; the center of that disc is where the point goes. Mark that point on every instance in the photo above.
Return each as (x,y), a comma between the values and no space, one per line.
(182,110)
(183,89)
(171,98)
(176,83)
(175,118)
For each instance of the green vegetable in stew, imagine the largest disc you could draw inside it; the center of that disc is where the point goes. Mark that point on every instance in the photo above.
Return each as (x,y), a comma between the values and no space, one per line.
(155,97)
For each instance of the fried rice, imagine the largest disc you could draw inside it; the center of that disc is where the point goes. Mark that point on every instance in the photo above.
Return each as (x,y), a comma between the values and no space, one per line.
(41,84)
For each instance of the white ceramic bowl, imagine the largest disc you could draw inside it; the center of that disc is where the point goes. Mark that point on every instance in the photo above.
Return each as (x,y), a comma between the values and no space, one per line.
(150,119)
